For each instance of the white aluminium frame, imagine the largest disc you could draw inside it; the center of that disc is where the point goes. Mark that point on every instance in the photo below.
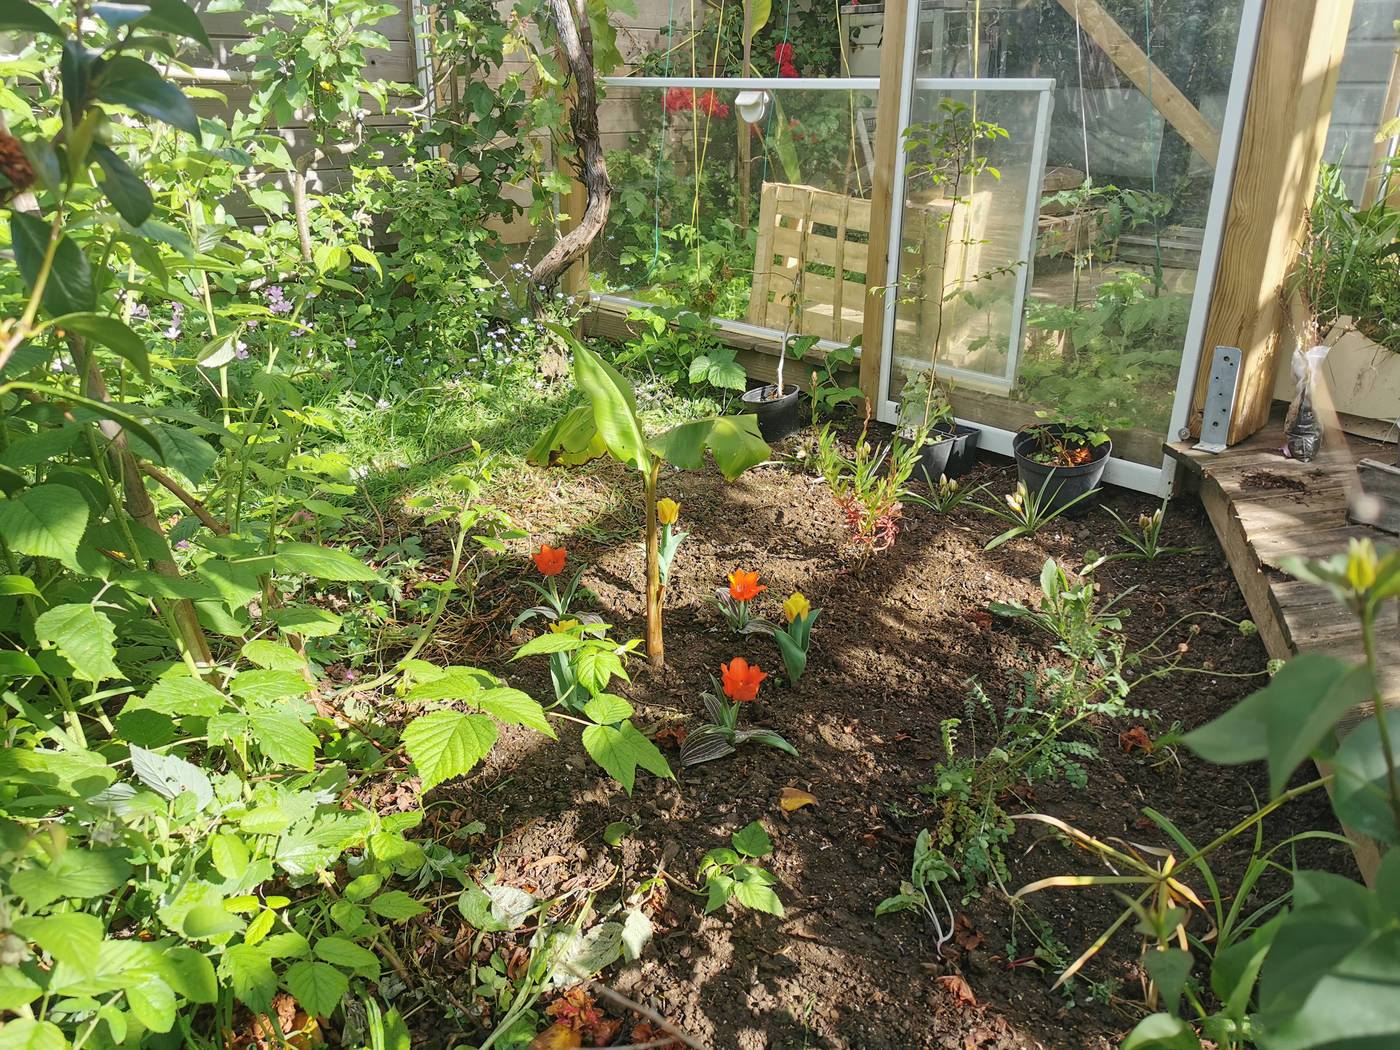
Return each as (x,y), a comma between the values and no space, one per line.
(887,410)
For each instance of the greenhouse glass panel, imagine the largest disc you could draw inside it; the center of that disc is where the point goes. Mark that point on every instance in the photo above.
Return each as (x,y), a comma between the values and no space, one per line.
(784,250)
(1129,173)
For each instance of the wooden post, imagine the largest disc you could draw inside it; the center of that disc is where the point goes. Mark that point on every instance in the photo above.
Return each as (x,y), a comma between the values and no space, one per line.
(883,223)
(1155,85)
(1285,123)
(1381,149)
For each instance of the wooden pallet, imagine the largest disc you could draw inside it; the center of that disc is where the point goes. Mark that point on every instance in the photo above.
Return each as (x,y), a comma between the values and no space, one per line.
(812,252)
(1265,507)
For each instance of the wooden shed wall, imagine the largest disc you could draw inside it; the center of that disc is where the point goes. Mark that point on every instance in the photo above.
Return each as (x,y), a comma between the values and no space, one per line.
(226,30)
(1361,89)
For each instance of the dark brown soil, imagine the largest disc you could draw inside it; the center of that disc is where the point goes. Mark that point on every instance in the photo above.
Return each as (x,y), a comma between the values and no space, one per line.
(897,641)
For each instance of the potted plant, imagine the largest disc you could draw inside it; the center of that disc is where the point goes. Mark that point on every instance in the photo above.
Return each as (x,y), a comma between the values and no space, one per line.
(1062,460)
(775,404)
(950,450)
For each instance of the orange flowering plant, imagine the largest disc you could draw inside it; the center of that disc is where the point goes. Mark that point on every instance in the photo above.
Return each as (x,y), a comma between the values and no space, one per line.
(550,562)
(733,603)
(609,426)
(721,735)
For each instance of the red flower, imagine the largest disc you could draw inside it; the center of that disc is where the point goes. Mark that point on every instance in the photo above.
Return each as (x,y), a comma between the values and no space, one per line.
(549,560)
(740,680)
(787,69)
(679,99)
(710,105)
(744,586)
(782,54)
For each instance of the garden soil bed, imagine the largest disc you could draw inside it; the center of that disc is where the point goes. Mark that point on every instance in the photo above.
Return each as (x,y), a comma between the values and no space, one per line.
(898,639)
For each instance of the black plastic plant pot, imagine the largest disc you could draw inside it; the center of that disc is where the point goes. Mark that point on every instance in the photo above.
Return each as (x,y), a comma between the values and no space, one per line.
(777,416)
(1059,487)
(950,451)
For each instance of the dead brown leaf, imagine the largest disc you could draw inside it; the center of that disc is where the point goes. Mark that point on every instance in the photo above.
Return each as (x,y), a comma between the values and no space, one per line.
(978,617)
(1136,739)
(544,862)
(960,989)
(791,799)
(646,1032)
(964,934)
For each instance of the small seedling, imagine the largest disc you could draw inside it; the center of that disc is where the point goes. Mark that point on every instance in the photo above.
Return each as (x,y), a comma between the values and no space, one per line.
(727,873)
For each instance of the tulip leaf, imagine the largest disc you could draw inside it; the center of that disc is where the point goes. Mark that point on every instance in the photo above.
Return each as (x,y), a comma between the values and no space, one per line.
(734,440)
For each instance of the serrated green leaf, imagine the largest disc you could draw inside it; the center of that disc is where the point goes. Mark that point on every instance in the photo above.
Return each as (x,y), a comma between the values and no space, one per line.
(283,738)
(85,637)
(447,744)
(25,1033)
(607,709)
(274,656)
(758,896)
(229,854)
(395,905)
(46,521)
(248,969)
(549,643)
(180,697)
(151,1001)
(620,750)
(345,953)
(316,986)
(324,563)
(264,686)
(595,667)
(73,938)
(516,708)
(753,841)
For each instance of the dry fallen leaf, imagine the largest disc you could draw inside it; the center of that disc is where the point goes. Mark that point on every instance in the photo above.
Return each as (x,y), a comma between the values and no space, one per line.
(1136,738)
(964,934)
(556,1037)
(543,862)
(794,798)
(605,1031)
(962,992)
(978,617)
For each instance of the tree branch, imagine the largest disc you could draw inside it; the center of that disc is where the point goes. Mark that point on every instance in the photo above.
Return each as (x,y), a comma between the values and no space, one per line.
(576,43)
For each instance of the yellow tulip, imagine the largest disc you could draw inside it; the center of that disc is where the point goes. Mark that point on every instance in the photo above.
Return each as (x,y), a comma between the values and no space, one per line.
(796,606)
(563,626)
(667,511)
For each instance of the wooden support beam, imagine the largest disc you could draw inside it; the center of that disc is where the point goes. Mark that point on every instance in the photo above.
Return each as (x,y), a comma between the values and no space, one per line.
(1285,124)
(1134,64)
(887,154)
(1381,149)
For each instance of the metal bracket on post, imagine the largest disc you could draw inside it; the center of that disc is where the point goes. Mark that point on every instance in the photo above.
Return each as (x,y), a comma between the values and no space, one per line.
(1220,399)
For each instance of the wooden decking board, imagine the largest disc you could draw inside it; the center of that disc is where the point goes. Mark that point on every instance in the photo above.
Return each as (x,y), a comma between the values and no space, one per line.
(1258,525)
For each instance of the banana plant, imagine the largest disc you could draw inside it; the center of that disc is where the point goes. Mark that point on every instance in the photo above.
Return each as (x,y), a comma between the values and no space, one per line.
(609,426)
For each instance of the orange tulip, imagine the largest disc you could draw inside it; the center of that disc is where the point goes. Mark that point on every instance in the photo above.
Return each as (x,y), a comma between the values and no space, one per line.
(744,585)
(549,560)
(740,680)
